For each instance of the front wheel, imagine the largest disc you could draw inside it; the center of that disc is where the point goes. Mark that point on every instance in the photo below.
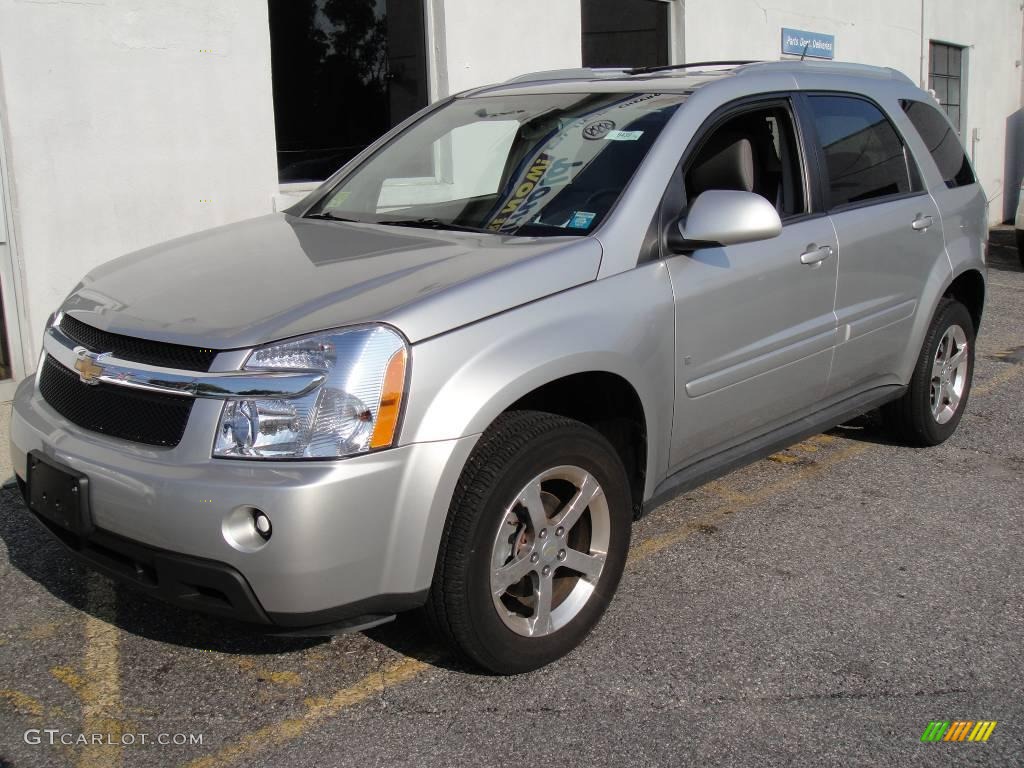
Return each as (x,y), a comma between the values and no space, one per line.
(536,541)
(930,410)
(1020,246)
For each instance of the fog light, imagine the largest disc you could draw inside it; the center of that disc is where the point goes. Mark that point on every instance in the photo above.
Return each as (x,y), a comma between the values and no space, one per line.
(246,528)
(262,524)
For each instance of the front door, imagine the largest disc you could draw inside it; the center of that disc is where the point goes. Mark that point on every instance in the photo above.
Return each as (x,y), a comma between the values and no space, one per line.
(755,326)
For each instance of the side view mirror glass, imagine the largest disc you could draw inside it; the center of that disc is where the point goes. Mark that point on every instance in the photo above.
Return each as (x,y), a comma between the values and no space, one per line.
(724,217)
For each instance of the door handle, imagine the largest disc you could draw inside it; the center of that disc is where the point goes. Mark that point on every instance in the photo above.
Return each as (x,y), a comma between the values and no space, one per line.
(815,255)
(921,223)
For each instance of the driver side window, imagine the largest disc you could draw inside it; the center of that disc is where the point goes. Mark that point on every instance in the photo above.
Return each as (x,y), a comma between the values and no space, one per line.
(754,151)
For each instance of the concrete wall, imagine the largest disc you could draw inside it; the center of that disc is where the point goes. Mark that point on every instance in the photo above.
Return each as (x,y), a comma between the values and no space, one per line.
(487,41)
(889,33)
(130,122)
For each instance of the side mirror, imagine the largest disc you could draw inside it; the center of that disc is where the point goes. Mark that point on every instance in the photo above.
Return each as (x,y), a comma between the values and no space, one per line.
(724,217)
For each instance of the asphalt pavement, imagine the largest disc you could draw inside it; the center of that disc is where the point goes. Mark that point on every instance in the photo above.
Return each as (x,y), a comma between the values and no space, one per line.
(819,607)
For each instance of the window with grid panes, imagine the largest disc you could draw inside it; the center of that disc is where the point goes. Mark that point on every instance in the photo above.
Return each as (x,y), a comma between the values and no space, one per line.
(945,77)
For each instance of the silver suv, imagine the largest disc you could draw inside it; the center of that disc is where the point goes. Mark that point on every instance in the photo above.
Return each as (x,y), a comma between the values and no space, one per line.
(454,375)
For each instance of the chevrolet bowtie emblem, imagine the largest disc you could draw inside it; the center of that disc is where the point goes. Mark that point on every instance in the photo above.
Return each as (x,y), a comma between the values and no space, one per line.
(88,365)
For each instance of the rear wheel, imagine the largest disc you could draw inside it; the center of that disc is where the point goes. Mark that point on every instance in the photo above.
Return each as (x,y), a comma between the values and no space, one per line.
(535,543)
(930,410)
(1020,246)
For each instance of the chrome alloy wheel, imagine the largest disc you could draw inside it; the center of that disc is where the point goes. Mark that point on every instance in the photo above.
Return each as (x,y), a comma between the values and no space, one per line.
(549,551)
(949,374)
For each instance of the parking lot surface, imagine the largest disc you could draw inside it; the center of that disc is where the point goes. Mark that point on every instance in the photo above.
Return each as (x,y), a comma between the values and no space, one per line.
(819,607)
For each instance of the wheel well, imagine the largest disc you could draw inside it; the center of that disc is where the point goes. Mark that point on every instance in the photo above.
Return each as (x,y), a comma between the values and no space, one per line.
(969,290)
(607,403)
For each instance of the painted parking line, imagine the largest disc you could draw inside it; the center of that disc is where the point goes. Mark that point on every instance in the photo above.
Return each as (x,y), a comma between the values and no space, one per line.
(1008,374)
(101,698)
(98,687)
(282,678)
(38,715)
(317,710)
(648,547)
(22,703)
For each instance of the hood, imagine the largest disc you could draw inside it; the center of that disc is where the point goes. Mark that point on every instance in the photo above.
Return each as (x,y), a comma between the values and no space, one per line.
(278,276)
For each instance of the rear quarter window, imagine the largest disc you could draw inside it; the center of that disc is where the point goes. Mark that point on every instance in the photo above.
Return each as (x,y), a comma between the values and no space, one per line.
(944,145)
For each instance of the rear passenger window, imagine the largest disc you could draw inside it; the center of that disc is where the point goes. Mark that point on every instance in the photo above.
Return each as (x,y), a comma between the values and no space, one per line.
(940,138)
(864,155)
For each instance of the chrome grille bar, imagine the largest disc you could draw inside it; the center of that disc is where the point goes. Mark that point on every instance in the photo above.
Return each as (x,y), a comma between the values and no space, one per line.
(104,368)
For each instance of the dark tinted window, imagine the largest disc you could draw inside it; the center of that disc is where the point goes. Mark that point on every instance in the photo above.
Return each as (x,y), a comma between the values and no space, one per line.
(625,33)
(864,155)
(941,140)
(344,72)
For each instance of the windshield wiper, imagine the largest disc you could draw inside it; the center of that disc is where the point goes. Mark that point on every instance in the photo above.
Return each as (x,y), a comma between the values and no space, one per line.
(330,217)
(432,224)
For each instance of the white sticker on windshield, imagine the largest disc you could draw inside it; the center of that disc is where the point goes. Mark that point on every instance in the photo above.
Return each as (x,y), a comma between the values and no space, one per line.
(623,135)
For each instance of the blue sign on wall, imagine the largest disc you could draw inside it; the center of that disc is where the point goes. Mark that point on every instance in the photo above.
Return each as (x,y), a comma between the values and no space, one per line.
(812,44)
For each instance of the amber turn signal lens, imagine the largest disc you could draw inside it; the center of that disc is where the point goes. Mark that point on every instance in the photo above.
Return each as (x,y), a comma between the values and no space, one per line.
(390,402)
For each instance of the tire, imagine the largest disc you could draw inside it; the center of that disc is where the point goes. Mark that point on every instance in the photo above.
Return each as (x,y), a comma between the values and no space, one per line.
(1020,246)
(491,537)
(930,410)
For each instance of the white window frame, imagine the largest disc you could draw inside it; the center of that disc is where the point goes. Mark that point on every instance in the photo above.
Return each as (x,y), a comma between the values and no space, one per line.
(964,72)
(15,319)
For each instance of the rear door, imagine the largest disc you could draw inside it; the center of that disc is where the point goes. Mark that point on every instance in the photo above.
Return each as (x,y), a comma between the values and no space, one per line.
(889,236)
(952,183)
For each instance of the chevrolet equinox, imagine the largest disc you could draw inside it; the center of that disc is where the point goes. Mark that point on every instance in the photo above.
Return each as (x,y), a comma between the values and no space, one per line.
(451,377)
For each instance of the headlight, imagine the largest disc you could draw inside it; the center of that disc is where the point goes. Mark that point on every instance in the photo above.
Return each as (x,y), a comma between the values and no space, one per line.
(355,410)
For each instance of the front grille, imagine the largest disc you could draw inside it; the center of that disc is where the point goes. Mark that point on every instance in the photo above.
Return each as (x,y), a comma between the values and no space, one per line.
(142,417)
(138,350)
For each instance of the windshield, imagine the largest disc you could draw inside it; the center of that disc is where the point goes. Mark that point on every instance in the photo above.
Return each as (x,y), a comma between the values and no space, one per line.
(540,164)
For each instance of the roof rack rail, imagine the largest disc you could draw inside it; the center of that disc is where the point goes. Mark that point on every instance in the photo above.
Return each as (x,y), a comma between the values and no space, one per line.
(670,67)
(577,73)
(837,67)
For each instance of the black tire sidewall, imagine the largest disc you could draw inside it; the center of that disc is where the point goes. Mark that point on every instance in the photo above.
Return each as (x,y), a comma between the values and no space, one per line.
(950,313)
(505,650)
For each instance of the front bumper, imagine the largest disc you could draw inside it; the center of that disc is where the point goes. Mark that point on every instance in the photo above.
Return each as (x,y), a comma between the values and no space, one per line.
(350,537)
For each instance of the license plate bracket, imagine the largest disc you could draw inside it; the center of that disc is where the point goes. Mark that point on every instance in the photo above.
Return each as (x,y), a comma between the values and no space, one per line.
(59,494)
